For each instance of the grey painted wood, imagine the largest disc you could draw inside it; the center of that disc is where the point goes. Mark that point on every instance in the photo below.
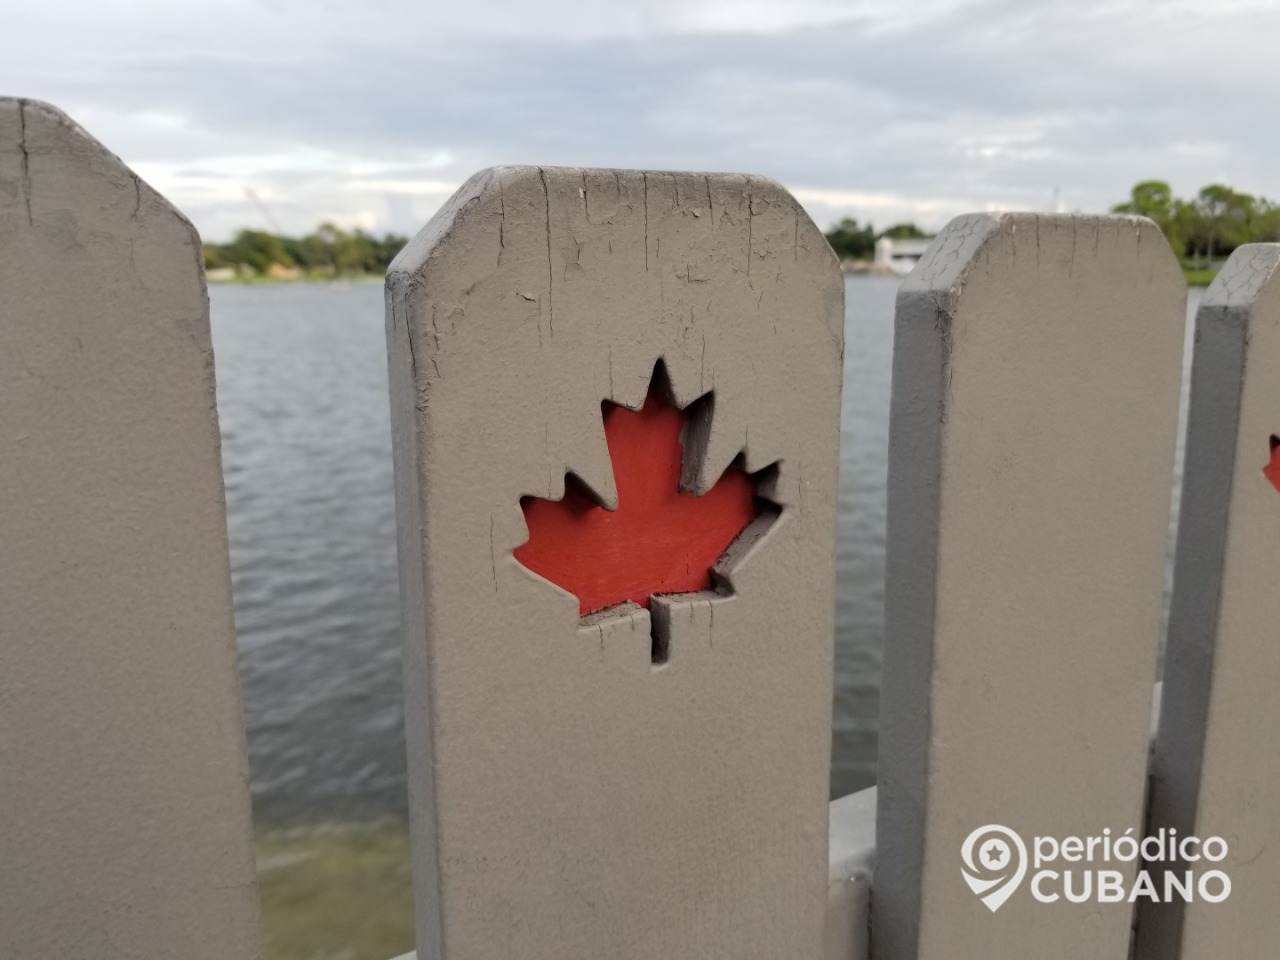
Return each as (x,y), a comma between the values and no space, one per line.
(1035,399)
(569,799)
(851,853)
(124,804)
(851,857)
(1216,766)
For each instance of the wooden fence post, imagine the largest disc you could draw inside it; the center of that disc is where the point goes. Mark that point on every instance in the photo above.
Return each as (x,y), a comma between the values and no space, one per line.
(1216,769)
(124,811)
(1036,375)
(634,783)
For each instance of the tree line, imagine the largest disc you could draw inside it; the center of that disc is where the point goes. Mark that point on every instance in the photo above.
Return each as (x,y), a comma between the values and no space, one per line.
(1202,231)
(1205,229)
(853,242)
(328,251)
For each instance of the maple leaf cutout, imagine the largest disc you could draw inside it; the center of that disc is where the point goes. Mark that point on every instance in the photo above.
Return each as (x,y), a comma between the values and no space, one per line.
(659,539)
(1272,469)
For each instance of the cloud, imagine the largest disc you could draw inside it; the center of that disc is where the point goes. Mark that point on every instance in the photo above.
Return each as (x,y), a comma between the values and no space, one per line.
(370,113)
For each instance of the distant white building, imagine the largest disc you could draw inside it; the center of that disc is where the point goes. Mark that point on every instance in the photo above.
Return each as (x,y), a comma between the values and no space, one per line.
(899,256)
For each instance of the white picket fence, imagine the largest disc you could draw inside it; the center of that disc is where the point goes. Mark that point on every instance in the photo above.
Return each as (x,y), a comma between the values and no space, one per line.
(653,782)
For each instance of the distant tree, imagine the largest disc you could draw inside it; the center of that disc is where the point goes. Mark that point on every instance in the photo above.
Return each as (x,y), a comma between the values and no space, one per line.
(1209,227)
(905,231)
(328,250)
(1154,199)
(357,255)
(293,248)
(258,249)
(1150,198)
(1267,223)
(852,242)
(1226,219)
(388,247)
(1183,225)
(214,257)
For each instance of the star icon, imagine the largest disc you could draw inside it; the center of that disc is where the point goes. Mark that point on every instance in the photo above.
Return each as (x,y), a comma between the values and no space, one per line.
(995,854)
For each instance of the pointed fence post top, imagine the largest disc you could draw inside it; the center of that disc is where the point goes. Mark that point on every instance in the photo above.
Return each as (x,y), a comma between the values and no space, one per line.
(124,804)
(1245,279)
(1054,244)
(53,164)
(616,410)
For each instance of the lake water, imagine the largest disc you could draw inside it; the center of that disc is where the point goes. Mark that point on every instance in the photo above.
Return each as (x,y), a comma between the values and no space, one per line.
(302,397)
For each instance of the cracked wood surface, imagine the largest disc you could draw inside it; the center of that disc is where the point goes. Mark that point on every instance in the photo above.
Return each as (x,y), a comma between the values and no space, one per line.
(569,799)
(124,805)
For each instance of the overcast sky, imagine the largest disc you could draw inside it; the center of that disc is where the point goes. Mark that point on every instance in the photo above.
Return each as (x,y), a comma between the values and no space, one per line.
(371,112)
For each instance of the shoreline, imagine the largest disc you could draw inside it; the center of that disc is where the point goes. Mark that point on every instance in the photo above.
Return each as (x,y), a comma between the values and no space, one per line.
(1194,277)
(335,889)
(318,279)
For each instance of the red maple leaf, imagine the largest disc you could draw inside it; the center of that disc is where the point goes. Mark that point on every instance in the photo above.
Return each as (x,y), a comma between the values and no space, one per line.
(659,539)
(1272,469)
